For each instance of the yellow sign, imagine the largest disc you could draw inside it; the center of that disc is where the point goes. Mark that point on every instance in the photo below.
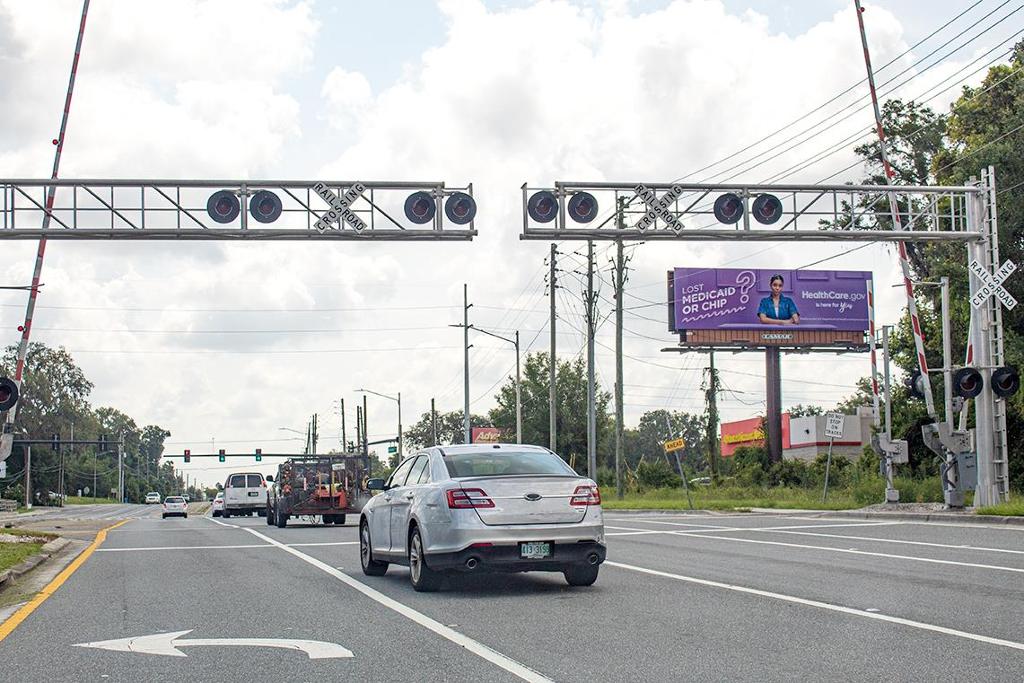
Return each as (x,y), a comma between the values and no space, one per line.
(675,445)
(744,437)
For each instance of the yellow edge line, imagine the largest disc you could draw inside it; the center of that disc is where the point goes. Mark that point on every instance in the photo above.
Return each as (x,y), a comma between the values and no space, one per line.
(15,619)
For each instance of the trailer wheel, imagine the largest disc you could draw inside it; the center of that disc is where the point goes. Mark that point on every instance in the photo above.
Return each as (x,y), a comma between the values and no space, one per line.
(281,518)
(269,514)
(328,519)
(339,519)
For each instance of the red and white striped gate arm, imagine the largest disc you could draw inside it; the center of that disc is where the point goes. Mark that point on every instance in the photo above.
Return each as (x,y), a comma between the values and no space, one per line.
(908,284)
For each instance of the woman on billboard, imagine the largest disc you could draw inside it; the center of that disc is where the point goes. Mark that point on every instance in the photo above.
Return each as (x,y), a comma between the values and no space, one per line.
(778,309)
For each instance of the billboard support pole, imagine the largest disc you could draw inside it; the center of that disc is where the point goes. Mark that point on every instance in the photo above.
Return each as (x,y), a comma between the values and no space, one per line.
(773,389)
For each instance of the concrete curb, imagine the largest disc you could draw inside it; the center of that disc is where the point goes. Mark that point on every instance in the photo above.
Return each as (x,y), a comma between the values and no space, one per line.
(47,551)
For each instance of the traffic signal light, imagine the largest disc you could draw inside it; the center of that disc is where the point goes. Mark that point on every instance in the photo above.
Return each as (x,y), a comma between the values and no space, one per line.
(259,455)
(460,208)
(915,384)
(8,393)
(188,455)
(265,206)
(54,441)
(542,206)
(728,208)
(967,383)
(767,209)
(582,207)
(223,206)
(420,207)
(1005,381)
(103,442)
(220,456)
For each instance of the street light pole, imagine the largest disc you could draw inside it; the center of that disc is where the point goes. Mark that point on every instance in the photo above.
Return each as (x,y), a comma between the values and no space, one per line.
(519,398)
(397,399)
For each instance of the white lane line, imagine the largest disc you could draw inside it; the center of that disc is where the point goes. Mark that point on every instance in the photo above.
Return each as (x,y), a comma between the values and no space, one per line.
(900,541)
(303,545)
(183,547)
(712,527)
(823,605)
(853,552)
(508,664)
(768,528)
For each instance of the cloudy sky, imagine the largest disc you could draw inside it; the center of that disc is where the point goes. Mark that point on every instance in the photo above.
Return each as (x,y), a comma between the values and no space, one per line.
(226,344)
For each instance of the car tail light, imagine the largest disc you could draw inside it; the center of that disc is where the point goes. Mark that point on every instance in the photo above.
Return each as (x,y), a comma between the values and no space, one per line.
(586,495)
(468,498)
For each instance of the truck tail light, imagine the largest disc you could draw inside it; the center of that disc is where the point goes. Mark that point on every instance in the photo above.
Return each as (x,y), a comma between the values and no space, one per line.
(459,499)
(586,495)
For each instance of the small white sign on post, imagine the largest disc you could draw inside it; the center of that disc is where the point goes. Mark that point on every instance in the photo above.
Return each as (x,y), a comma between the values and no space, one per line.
(340,207)
(834,425)
(992,285)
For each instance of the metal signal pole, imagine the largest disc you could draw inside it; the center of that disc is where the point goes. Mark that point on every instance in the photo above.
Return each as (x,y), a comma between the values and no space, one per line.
(465,340)
(591,329)
(552,363)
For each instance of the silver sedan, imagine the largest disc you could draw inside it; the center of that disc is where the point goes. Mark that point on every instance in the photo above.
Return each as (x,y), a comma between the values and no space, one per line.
(483,507)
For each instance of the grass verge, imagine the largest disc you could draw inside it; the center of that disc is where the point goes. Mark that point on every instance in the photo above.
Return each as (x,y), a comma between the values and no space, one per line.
(88,500)
(12,554)
(732,498)
(1015,508)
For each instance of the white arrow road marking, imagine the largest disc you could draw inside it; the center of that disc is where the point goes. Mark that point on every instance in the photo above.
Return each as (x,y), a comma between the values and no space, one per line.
(168,643)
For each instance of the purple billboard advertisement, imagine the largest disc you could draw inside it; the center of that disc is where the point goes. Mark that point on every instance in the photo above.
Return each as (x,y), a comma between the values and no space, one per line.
(732,298)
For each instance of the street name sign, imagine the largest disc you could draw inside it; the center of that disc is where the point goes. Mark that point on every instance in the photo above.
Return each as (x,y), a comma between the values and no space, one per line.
(675,445)
(834,425)
(340,207)
(991,285)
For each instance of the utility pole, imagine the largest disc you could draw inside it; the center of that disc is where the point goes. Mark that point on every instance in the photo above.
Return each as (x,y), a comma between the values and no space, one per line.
(591,329)
(120,468)
(433,423)
(552,362)
(712,399)
(620,267)
(366,430)
(28,477)
(314,433)
(309,438)
(344,439)
(359,427)
(465,341)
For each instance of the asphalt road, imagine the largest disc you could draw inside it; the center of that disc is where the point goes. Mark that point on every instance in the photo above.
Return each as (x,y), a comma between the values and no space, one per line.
(694,597)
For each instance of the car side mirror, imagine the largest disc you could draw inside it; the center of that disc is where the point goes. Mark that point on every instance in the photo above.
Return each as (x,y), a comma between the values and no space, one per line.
(270,478)
(375,484)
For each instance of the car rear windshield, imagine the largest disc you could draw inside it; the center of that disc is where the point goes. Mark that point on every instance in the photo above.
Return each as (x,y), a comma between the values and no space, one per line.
(236,481)
(175,499)
(505,463)
(255,480)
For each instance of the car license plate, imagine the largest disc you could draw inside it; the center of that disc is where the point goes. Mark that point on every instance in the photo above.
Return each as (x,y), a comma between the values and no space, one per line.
(254,493)
(534,551)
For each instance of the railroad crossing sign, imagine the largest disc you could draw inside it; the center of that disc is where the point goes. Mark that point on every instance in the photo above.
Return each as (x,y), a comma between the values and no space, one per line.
(675,445)
(340,207)
(991,285)
(658,208)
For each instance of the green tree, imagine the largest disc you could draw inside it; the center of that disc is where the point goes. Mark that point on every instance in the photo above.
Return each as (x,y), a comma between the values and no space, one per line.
(800,410)
(450,429)
(571,378)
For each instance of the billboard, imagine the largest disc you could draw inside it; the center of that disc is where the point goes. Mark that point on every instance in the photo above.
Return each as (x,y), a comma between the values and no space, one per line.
(729,298)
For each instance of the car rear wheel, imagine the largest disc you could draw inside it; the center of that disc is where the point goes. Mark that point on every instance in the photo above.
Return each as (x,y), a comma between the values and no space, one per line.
(225,513)
(424,579)
(581,574)
(269,514)
(371,567)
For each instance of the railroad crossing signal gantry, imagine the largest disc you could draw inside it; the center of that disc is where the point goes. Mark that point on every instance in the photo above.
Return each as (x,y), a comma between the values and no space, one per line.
(236,210)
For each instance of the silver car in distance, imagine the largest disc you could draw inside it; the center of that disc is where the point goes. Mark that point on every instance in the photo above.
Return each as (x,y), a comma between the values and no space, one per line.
(483,507)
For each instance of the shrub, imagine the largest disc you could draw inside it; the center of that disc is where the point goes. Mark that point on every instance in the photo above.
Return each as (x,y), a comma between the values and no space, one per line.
(656,475)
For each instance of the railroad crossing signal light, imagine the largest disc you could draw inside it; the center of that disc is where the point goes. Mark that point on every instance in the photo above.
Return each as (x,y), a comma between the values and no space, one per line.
(220,456)
(767,209)
(259,455)
(460,208)
(728,208)
(1005,381)
(420,207)
(223,206)
(188,455)
(542,206)
(8,393)
(265,206)
(967,383)
(582,207)
(915,384)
